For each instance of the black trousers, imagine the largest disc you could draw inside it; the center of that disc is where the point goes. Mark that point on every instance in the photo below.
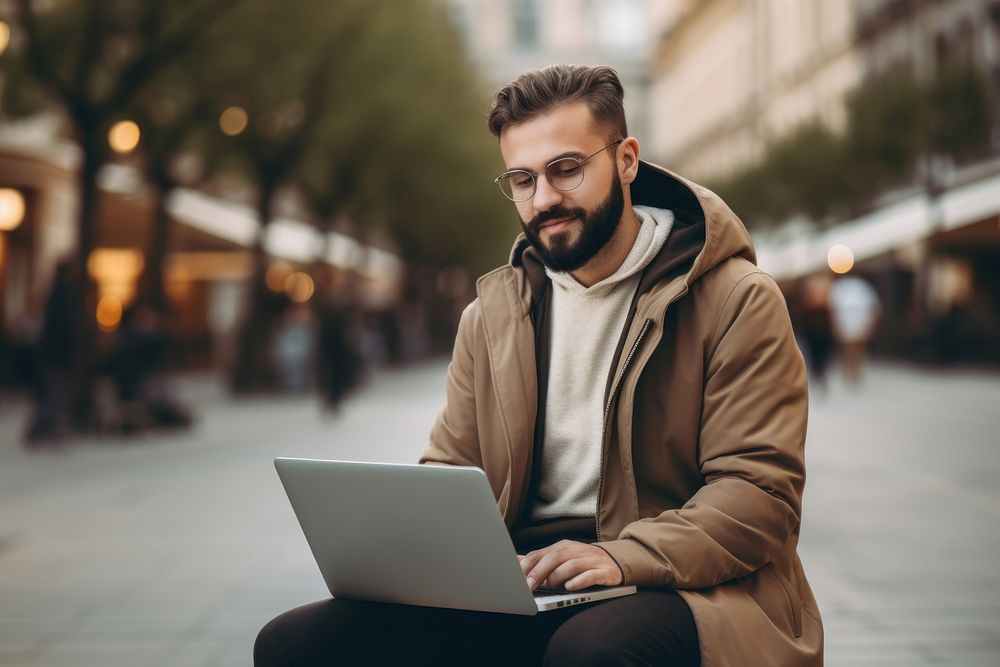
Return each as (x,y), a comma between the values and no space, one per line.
(652,627)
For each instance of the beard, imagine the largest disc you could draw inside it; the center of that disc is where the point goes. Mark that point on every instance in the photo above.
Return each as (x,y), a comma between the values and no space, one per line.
(596,229)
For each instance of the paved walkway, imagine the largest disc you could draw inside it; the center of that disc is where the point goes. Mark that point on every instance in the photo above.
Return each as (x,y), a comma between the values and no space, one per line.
(174,550)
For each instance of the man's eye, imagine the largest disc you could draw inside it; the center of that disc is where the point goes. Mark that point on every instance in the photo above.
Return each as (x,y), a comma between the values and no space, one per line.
(521,181)
(567,169)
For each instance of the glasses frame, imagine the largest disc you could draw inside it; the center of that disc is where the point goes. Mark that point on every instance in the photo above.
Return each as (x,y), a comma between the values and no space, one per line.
(534,175)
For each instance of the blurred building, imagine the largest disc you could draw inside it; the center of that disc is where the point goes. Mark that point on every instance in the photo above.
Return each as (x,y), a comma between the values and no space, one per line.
(505,38)
(208,266)
(731,75)
(730,78)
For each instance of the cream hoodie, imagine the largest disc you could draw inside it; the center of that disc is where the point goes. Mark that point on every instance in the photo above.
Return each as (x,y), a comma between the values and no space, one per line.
(586,323)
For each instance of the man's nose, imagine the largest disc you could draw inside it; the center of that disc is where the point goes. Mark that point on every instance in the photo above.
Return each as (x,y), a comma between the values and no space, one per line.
(546,196)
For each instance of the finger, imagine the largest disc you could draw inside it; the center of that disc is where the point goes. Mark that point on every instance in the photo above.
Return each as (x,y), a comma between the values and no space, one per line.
(548,562)
(567,570)
(587,578)
(528,560)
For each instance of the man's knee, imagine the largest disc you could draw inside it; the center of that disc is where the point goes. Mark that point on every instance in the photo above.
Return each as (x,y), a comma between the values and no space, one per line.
(645,629)
(581,647)
(267,648)
(302,631)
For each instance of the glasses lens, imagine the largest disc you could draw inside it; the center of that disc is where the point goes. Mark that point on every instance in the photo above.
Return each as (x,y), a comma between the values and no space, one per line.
(517,185)
(565,174)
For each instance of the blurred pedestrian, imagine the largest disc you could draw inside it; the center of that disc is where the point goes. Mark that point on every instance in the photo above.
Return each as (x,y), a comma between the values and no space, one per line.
(294,348)
(137,363)
(813,324)
(340,363)
(855,307)
(57,349)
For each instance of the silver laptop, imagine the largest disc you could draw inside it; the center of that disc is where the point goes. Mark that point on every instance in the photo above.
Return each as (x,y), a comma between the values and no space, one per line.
(414,534)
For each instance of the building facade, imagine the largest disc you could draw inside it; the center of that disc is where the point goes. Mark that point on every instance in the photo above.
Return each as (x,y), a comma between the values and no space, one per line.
(730,76)
(505,38)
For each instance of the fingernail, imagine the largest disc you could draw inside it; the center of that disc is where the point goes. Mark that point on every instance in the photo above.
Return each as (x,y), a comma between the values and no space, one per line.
(531,582)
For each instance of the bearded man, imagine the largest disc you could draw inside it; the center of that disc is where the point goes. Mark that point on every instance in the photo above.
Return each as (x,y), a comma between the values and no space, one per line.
(630,385)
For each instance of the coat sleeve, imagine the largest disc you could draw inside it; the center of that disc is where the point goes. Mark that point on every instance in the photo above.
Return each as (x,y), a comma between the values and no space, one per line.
(752,434)
(454,439)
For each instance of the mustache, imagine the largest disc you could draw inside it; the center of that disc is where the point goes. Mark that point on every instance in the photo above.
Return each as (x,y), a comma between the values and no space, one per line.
(557,213)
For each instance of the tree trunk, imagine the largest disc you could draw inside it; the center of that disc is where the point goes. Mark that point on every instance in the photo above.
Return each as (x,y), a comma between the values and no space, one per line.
(153,291)
(84,357)
(253,368)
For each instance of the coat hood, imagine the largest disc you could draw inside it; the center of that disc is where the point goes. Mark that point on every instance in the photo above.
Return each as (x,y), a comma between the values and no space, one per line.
(706,232)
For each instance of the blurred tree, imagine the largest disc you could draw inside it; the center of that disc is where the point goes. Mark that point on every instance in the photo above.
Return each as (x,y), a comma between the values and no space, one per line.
(895,130)
(90,59)
(179,147)
(362,107)
(386,134)
(887,133)
(961,114)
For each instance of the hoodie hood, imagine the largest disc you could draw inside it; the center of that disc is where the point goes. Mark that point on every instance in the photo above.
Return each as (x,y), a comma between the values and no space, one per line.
(706,232)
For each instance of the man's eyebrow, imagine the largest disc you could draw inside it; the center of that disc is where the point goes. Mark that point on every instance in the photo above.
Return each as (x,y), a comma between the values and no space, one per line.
(565,154)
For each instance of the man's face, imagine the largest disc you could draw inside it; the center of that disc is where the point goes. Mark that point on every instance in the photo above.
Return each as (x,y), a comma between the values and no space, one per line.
(566,228)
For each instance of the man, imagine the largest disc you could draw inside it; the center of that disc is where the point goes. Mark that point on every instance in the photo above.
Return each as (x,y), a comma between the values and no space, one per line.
(630,384)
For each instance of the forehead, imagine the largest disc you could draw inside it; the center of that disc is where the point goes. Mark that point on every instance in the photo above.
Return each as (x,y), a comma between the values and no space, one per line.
(563,129)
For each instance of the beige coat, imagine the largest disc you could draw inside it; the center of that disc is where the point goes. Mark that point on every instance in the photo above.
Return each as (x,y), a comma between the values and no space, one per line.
(703,468)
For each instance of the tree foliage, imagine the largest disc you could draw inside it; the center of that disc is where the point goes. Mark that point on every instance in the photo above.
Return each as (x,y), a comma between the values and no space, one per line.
(894,128)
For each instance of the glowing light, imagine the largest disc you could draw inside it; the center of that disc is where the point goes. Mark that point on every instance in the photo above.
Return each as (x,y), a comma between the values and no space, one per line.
(4,36)
(299,287)
(124,136)
(115,264)
(233,121)
(11,209)
(276,276)
(109,313)
(840,259)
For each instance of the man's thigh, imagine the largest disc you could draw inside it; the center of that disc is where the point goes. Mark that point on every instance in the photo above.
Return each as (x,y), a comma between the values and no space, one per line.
(347,632)
(652,627)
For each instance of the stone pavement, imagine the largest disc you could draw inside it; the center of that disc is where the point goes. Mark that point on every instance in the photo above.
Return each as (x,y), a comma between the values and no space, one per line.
(175,549)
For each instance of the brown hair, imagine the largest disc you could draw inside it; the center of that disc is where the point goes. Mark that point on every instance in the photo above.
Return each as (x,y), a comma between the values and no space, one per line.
(538,91)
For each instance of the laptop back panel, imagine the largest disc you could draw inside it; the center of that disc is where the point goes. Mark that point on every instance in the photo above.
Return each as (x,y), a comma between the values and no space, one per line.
(408,534)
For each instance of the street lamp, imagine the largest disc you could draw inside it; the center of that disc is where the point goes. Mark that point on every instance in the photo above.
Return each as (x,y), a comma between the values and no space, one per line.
(124,136)
(299,287)
(233,121)
(840,259)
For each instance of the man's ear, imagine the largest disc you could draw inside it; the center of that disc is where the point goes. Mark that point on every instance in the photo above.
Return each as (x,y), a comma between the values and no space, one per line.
(629,163)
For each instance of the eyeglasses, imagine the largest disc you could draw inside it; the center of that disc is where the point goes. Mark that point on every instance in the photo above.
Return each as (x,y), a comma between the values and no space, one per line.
(564,174)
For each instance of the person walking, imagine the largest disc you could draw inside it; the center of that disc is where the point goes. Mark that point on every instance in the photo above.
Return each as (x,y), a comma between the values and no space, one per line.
(855,307)
(56,356)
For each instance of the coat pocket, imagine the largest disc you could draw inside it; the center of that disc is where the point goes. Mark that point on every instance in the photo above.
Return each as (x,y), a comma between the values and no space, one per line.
(776,598)
(794,604)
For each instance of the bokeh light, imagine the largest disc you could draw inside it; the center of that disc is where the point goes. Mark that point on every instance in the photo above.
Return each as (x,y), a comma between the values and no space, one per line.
(109,313)
(299,287)
(4,37)
(840,259)
(124,136)
(115,264)
(11,209)
(276,276)
(233,121)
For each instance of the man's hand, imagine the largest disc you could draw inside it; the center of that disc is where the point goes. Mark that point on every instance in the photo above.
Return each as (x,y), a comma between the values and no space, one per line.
(572,565)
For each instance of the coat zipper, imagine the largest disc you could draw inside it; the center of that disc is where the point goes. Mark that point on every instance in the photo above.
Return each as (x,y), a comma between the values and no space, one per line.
(607,414)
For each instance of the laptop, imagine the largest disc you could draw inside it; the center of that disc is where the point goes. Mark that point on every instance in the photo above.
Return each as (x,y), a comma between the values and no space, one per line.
(415,534)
